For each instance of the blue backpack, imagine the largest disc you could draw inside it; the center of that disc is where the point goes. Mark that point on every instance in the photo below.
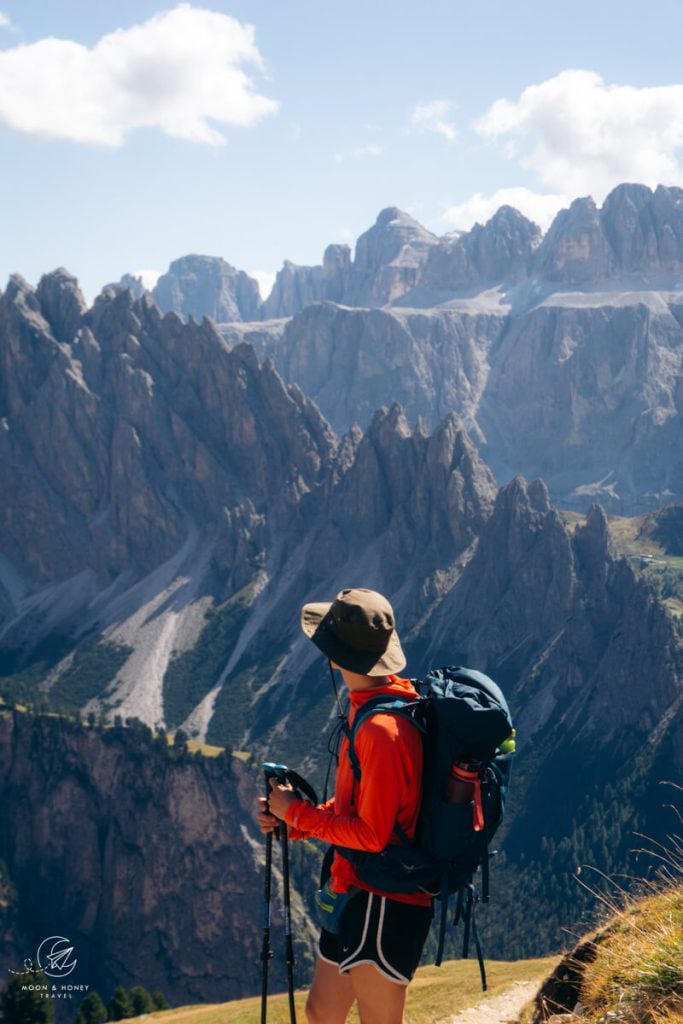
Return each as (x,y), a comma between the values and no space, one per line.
(468,740)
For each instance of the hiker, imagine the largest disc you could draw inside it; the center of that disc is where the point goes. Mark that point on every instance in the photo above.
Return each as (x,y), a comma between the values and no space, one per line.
(371,945)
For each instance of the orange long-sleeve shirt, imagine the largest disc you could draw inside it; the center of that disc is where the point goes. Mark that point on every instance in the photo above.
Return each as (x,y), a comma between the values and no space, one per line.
(362,815)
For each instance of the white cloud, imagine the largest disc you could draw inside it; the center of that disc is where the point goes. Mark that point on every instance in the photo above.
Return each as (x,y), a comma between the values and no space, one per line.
(359,154)
(581,136)
(432,117)
(180,71)
(538,207)
(265,280)
(5,21)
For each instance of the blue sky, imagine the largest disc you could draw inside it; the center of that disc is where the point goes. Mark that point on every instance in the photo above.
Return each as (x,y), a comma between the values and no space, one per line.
(133,133)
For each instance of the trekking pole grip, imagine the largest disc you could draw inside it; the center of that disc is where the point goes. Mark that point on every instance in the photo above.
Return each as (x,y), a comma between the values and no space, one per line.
(278,772)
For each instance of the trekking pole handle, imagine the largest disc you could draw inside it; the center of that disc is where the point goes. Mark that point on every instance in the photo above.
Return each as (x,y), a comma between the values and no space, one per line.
(274,771)
(288,777)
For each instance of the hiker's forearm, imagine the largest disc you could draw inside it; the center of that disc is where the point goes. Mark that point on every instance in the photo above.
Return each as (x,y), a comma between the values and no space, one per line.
(293,830)
(340,829)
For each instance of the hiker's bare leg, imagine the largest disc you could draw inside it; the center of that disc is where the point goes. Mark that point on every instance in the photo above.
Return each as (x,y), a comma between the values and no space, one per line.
(331,995)
(380,1001)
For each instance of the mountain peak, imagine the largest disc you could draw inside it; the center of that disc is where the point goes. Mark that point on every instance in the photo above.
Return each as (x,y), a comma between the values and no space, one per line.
(575,250)
(198,286)
(17,286)
(510,215)
(390,420)
(391,216)
(61,303)
(593,540)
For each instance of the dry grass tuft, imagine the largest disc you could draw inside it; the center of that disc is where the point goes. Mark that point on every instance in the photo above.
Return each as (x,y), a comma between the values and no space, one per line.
(636,975)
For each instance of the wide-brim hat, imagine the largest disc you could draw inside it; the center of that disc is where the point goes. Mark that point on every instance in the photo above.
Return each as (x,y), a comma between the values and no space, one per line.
(357,631)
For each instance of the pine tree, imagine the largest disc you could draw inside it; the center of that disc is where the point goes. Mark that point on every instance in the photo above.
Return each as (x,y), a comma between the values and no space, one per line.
(120,1006)
(19,1004)
(160,1001)
(180,740)
(141,1000)
(92,1010)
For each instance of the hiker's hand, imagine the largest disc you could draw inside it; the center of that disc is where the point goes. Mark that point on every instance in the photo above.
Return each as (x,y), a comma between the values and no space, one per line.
(266,822)
(280,798)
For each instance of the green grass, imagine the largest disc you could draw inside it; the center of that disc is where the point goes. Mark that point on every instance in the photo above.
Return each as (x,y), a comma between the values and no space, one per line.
(435,995)
(205,748)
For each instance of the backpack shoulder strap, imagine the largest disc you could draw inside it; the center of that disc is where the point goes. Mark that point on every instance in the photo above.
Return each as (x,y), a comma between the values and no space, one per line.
(382,704)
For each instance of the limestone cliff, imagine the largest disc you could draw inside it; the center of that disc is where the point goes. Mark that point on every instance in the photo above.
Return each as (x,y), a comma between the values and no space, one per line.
(199,286)
(351,361)
(585,391)
(565,619)
(296,287)
(590,396)
(123,428)
(143,856)
(499,251)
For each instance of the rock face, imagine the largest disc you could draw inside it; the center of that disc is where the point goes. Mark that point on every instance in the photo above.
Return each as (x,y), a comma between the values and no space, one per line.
(637,232)
(387,265)
(562,355)
(296,287)
(131,441)
(634,241)
(388,259)
(199,286)
(126,838)
(499,251)
(352,360)
(592,396)
(575,250)
(586,392)
(563,613)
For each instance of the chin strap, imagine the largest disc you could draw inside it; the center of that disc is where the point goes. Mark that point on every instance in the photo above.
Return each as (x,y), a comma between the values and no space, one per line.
(340,730)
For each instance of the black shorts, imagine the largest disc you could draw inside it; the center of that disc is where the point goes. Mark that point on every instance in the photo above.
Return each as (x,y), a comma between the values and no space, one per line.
(380,931)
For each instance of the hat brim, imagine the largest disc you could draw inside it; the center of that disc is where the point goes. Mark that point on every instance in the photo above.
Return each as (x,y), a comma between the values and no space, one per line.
(315,623)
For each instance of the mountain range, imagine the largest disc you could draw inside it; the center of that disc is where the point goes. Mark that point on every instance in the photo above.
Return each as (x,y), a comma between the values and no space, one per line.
(173,492)
(561,353)
(635,238)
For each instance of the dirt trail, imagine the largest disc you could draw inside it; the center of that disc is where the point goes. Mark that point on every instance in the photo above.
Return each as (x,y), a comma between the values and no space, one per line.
(501,1009)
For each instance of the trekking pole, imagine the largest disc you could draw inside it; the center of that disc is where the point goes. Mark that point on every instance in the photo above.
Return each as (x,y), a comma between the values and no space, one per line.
(283,775)
(289,946)
(280,772)
(266,951)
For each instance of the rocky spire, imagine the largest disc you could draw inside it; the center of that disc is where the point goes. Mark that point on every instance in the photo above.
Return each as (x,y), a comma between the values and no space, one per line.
(200,286)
